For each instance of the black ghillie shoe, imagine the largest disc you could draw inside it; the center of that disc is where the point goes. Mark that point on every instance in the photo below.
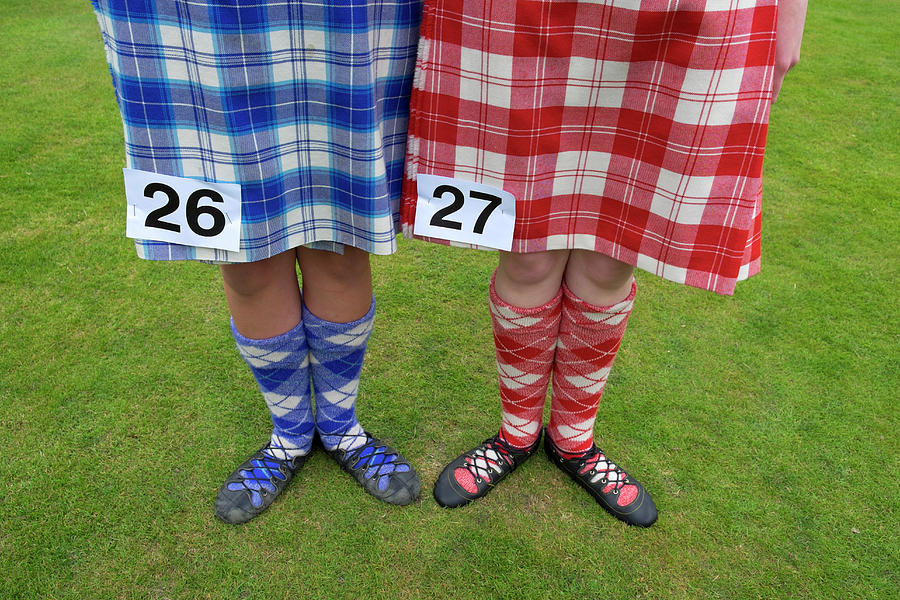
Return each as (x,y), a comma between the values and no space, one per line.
(475,473)
(254,485)
(381,470)
(616,491)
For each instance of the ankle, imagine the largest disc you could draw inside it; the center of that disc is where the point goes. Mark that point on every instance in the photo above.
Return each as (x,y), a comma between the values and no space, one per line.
(518,442)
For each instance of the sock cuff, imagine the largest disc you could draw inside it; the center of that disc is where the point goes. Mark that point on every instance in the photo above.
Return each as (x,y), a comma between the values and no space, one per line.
(548,312)
(586,313)
(353,333)
(291,335)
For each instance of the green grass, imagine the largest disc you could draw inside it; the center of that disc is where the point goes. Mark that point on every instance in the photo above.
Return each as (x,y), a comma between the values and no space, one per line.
(765,424)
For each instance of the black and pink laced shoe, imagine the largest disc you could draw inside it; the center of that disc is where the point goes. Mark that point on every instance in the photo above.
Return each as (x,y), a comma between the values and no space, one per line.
(475,473)
(613,488)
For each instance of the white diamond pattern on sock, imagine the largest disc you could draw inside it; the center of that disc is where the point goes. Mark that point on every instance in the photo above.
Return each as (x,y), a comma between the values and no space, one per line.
(279,404)
(513,378)
(260,357)
(520,425)
(578,432)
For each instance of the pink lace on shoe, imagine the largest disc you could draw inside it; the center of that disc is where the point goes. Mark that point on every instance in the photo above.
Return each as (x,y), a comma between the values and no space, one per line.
(602,470)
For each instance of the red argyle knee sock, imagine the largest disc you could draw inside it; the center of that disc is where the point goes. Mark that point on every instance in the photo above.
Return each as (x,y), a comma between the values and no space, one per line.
(589,337)
(525,339)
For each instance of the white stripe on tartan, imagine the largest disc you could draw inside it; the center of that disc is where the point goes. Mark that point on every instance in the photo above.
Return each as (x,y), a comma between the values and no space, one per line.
(510,319)
(288,447)
(352,437)
(613,316)
(260,357)
(354,338)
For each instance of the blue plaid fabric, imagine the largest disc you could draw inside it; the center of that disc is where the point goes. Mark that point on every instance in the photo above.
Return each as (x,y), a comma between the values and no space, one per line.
(303,103)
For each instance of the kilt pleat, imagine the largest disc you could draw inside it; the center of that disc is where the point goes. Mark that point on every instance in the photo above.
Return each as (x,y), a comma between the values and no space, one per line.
(302,103)
(627,127)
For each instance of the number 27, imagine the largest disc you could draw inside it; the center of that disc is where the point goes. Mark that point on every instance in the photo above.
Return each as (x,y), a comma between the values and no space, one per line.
(439,219)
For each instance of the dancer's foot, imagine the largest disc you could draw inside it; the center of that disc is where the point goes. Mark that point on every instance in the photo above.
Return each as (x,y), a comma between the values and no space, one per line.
(254,485)
(616,491)
(381,470)
(475,473)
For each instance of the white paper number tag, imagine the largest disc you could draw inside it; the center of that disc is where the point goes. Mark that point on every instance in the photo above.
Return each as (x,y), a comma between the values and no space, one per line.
(463,211)
(183,211)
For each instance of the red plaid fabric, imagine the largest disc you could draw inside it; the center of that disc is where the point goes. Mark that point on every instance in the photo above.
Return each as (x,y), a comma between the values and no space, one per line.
(632,128)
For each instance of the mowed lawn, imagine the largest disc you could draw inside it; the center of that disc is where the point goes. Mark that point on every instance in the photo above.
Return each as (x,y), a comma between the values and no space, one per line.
(764,424)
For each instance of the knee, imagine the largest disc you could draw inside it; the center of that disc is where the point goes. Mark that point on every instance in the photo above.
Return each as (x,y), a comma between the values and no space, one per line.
(335,270)
(250,279)
(533,268)
(597,277)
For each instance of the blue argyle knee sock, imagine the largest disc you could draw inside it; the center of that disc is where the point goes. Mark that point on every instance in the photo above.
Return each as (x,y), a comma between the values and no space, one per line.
(336,352)
(281,367)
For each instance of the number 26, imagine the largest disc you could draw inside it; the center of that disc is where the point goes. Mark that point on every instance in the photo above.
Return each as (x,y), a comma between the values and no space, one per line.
(439,219)
(193,210)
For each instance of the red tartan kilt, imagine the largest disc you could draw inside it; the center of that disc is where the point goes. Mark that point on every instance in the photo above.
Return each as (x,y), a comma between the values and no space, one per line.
(620,127)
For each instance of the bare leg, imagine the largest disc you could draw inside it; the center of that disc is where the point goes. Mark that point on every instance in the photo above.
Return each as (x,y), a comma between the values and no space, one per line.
(597,278)
(336,287)
(263,296)
(530,280)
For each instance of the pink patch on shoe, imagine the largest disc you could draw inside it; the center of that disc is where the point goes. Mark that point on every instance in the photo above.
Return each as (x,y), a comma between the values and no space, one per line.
(627,495)
(465,480)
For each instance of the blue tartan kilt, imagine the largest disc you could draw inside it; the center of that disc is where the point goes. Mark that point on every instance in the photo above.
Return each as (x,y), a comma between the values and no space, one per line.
(303,103)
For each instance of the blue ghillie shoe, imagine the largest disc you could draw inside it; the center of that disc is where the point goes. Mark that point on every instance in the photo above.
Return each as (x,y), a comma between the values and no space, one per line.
(254,485)
(381,470)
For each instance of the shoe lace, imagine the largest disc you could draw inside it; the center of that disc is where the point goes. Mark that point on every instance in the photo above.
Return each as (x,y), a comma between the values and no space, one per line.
(375,460)
(259,478)
(493,456)
(602,470)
